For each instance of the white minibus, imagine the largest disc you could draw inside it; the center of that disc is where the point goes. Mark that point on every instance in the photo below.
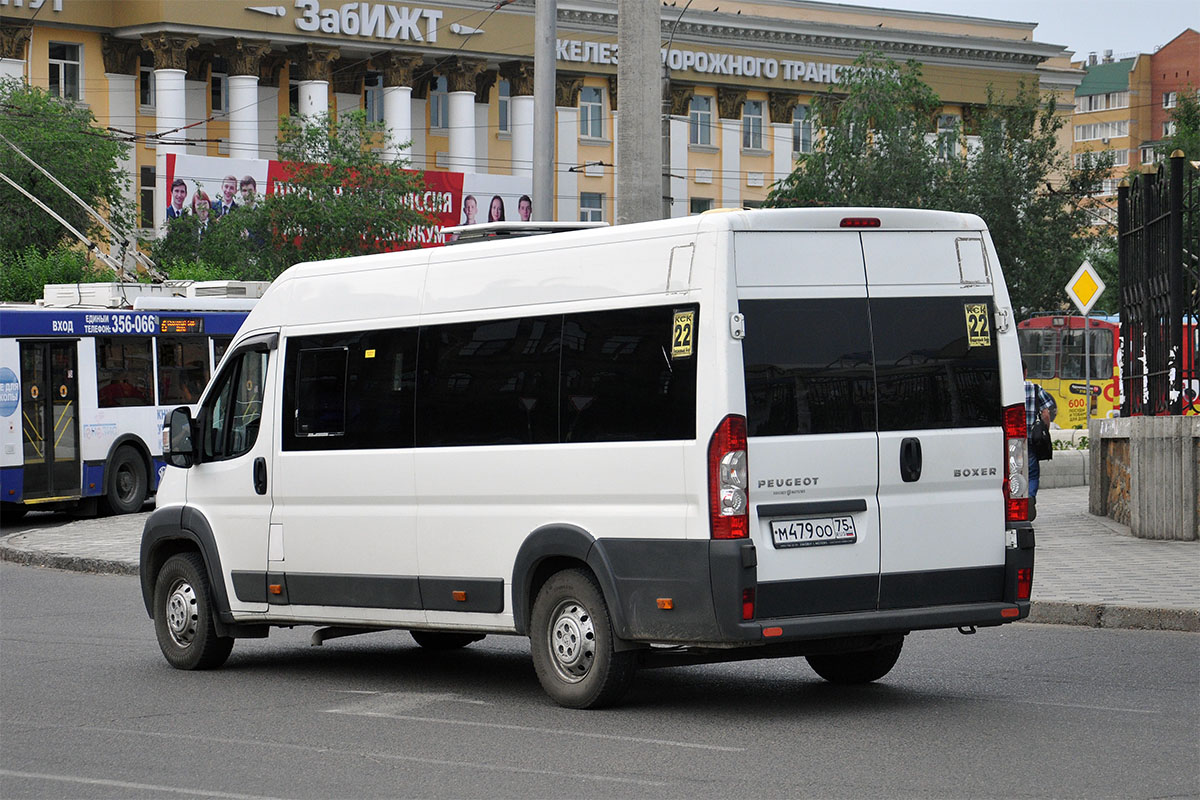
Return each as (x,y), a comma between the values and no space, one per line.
(741,434)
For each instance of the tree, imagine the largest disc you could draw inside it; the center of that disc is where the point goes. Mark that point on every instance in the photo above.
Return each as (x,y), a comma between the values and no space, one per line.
(340,199)
(875,149)
(1186,117)
(62,137)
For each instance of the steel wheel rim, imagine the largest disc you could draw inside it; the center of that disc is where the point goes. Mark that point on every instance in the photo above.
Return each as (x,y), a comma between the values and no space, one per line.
(183,619)
(572,640)
(126,483)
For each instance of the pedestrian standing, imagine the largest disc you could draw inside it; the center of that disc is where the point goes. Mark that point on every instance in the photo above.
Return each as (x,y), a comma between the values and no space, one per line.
(1038,403)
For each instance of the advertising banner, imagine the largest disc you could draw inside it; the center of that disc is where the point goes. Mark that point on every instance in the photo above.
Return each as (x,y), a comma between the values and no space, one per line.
(216,187)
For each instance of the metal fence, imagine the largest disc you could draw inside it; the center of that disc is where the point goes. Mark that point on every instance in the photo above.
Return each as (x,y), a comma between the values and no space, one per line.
(1158,225)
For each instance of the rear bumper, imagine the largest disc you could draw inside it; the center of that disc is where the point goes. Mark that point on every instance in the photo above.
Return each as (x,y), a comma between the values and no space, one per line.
(708,581)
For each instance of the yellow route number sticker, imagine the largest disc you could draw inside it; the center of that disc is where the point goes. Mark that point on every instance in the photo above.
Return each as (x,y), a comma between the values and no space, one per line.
(681,334)
(979,330)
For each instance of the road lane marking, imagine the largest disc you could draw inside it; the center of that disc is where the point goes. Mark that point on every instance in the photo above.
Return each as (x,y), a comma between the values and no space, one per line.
(148,787)
(441,762)
(532,729)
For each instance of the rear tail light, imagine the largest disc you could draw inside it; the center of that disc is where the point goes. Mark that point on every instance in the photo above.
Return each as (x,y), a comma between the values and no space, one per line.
(1024,583)
(747,604)
(728,499)
(1016,465)
(860,222)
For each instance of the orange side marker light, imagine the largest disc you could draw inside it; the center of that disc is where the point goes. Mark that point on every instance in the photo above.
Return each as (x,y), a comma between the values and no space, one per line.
(666,603)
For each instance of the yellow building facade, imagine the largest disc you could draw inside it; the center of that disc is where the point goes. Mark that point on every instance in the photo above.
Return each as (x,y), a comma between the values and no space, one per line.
(453,82)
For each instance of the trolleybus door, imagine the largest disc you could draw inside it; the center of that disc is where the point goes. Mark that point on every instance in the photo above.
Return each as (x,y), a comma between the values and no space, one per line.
(50,425)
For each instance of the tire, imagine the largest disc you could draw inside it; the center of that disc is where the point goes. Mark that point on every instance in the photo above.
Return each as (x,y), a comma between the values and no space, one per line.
(126,486)
(183,615)
(444,640)
(11,513)
(859,667)
(571,638)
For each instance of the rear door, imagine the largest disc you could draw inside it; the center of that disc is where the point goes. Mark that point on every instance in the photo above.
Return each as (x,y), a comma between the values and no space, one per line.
(813,450)
(50,426)
(941,469)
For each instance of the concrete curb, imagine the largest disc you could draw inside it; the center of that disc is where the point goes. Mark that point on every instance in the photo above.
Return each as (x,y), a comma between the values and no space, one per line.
(100,566)
(1103,615)
(1053,612)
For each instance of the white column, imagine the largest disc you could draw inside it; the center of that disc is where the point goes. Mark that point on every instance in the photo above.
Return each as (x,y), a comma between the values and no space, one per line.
(731,163)
(482,138)
(243,116)
(520,123)
(170,113)
(781,137)
(196,108)
(268,126)
(12,68)
(314,98)
(419,155)
(122,114)
(397,116)
(347,102)
(567,191)
(616,200)
(679,166)
(462,131)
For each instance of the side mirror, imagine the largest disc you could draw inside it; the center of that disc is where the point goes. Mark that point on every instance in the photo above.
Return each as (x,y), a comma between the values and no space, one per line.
(177,439)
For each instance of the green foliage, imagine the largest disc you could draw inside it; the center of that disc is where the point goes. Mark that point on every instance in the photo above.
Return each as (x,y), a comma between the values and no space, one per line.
(872,151)
(1102,254)
(341,199)
(1186,116)
(23,274)
(62,137)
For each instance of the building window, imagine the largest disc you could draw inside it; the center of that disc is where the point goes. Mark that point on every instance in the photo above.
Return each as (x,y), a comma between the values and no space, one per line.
(146,81)
(1149,156)
(1170,99)
(220,86)
(439,105)
(700,120)
(698,205)
(373,96)
(503,94)
(1168,128)
(752,125)
(294,97)
(591,207)
(591,107)
(1120,158)
(801,130)
(64,70)
(146,195)
(1101,130)
(947,136)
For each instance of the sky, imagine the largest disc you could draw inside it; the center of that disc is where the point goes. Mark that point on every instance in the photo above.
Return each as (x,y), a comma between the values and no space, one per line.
(1084,26)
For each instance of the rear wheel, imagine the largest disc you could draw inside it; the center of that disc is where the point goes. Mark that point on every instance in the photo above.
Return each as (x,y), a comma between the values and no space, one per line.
(571,638)
(444,640)
(862,666)
(183,615)
(127,484)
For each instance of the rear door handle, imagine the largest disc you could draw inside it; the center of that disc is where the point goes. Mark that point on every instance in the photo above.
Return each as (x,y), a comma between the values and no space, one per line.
(260,475)
(910,459)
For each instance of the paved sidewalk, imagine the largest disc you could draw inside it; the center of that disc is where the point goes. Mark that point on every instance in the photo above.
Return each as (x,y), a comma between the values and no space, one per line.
(1088,570)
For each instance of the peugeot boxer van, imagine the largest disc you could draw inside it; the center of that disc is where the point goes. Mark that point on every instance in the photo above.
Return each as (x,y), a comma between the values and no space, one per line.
(742,434)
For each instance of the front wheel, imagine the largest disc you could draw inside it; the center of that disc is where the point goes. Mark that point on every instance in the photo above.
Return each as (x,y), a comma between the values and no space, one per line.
(183,615)
(571,638)
(127,484)
(862,666)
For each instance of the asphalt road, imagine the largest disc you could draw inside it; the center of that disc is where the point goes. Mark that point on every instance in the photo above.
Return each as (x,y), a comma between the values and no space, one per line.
(88,708)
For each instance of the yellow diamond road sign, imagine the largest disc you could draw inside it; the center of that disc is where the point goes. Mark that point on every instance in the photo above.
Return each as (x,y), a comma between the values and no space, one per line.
(1085,287)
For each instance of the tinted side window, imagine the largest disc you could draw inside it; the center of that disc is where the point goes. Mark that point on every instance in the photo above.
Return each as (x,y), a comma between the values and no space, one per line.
(124,371)
(233,411)
(492,382)
(350,391)
(930,371)
(182,369)
(808,367)
(627,375)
